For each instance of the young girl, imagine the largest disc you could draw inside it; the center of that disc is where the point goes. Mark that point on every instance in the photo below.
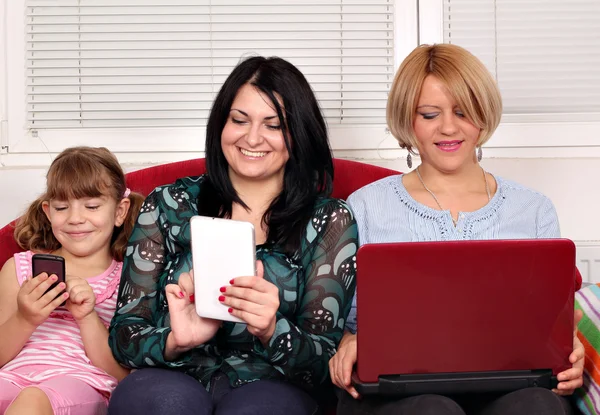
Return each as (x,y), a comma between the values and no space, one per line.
(55,359)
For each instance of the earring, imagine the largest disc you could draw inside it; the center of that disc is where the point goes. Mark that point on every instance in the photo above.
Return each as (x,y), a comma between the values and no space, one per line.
(479,153)
(409,160)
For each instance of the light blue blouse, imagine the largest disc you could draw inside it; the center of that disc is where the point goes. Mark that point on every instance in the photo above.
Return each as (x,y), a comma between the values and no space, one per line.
(385,212)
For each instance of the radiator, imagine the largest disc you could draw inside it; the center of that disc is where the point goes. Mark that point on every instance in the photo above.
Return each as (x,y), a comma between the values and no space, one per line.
(588,261)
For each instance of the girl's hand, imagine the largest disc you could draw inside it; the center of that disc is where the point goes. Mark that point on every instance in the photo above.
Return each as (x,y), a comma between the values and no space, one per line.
(254,300)
(188,329)
(82,299)
(34,306)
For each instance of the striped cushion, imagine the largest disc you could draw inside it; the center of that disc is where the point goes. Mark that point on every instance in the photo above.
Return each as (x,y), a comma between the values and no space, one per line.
(588,300)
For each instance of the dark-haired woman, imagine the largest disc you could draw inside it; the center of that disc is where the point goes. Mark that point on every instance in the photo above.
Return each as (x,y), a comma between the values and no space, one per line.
(268,162)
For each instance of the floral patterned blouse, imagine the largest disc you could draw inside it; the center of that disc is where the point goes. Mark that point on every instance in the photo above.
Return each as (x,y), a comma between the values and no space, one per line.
(316,286)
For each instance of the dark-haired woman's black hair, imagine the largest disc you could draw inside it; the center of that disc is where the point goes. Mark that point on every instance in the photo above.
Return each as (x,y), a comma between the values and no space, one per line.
(308,172)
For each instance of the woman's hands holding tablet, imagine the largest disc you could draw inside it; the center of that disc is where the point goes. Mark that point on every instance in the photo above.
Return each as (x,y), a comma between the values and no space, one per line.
(188,329)
(250,298)
(254,300)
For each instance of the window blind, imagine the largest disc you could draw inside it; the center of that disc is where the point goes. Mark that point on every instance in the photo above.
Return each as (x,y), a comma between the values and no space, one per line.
(160,63)
(545,54)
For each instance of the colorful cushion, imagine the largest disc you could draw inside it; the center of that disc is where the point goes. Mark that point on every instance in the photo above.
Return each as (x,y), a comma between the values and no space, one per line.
(587,300)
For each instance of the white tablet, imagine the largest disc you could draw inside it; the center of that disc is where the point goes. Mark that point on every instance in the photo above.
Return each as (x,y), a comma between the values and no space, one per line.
(222,249)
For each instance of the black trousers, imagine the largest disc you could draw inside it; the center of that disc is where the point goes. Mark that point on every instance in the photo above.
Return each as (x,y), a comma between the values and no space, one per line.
(154,391)
(530,401)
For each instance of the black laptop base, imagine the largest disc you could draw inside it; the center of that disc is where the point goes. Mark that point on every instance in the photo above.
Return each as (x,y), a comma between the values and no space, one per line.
(456,383)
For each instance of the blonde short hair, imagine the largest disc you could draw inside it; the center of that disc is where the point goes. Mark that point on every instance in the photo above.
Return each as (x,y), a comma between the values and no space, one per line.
(467,80)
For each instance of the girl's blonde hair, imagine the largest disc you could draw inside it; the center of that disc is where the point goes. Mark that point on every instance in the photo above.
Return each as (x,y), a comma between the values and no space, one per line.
(467,80)
(76,173)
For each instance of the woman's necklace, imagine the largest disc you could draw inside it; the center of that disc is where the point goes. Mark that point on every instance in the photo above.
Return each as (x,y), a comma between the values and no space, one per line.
(454,221)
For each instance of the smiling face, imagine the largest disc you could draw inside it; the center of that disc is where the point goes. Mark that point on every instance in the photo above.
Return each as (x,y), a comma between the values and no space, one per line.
(252,141)
(446,139)
(84,226)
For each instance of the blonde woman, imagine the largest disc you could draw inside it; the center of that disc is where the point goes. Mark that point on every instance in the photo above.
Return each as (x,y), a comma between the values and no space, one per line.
(444,105)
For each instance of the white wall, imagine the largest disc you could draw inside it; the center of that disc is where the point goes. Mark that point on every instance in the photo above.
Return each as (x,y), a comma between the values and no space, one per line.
(19,187)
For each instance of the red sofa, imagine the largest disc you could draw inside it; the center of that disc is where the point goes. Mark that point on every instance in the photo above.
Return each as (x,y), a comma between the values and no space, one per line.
(349,176)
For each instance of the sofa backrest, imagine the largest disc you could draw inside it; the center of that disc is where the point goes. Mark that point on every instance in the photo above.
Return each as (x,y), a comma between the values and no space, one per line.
(349,176)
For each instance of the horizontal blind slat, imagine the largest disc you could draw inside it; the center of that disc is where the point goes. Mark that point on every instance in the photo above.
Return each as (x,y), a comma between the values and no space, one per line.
(144,63)
(543,53)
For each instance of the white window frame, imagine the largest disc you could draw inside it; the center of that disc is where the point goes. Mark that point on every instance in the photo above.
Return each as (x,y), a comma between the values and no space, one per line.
(31,147)
(547,135)
(416,22)
(3,79)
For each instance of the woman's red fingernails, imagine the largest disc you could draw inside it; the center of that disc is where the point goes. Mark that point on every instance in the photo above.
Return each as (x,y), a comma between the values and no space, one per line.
(230,310)
(231,282)
(221,298)
(192,298)
(222,289)
(181,294)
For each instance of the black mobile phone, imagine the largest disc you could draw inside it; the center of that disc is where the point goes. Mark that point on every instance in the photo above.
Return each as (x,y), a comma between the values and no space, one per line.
(50,264)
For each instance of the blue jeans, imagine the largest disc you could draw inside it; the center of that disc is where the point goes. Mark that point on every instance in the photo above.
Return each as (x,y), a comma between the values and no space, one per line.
(168,392)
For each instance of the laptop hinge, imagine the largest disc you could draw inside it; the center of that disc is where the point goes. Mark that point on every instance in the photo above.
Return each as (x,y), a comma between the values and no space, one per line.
(468,382)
